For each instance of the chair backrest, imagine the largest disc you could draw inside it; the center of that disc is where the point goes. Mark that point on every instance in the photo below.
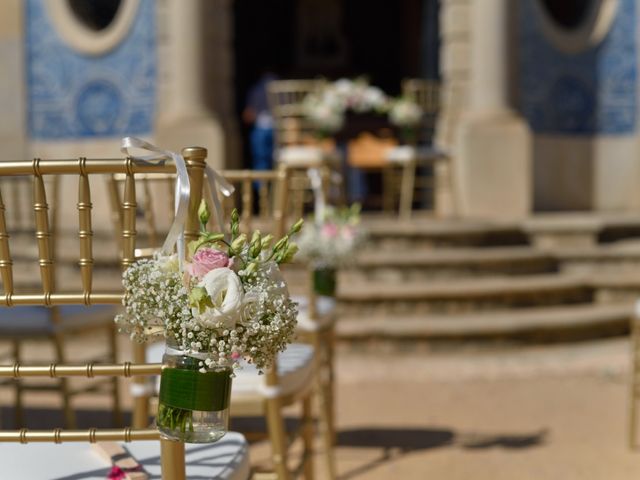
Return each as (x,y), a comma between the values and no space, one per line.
(286,99)
(426,93)
(87,293)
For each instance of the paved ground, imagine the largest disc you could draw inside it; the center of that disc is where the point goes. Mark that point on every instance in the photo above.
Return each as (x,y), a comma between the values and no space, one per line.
(552,412)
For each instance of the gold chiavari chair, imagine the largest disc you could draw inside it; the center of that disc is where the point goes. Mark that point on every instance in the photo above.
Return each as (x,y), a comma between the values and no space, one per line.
(296,145)
(226,459)
(261,197)
(412,157)
(56,325)
(301,368)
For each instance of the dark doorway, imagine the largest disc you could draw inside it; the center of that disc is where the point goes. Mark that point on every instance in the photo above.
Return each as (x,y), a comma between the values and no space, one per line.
(382,40)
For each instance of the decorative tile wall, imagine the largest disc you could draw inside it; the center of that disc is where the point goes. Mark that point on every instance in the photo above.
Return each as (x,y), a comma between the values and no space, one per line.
(591,92)
(73,96)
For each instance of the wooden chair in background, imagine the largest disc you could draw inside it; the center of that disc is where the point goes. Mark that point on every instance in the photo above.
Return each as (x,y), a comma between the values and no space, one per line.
(422,154)
(225,459)
(296,145)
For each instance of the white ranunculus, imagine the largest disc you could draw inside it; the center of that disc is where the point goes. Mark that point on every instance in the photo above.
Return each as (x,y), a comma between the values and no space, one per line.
(225,289)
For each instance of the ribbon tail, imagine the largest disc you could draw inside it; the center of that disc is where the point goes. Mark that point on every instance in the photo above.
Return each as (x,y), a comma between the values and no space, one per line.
(319,203)
(217,181)
(176,231)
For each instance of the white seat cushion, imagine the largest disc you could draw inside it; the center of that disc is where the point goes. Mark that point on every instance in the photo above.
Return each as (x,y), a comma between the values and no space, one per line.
(406,153)
(295,371)
(35,321)
(325,310)
(401,154)
(305,156)
(227,459)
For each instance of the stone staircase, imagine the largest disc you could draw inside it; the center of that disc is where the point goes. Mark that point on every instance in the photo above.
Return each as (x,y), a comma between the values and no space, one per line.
(551,278)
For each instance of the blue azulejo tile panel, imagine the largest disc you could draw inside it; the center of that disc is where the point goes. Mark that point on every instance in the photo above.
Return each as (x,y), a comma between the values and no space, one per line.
(72,95)
(591,92)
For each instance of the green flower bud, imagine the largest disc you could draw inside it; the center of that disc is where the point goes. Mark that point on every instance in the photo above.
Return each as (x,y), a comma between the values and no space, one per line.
(297,226)
(238,243)
(252,267)
(203,213)
(289,253)
(266,241)
(281,243)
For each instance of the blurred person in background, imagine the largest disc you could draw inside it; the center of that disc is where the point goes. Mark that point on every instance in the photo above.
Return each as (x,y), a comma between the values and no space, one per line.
(257,115)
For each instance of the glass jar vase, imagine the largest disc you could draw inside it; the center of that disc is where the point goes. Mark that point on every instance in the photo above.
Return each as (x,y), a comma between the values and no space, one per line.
(194,403)
(324,281)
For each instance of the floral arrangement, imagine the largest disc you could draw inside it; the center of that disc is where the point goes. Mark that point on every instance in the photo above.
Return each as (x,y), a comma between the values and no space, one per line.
(333,240)
(230,302)
(326,109)
(404,112)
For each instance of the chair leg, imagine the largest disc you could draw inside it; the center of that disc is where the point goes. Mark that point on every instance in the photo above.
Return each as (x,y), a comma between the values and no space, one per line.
(307,437)
(407,188)
(331,393)
(115,384)
(325,429)
(140,395)
(324,409)
(172,460)
(69,415)
(19,407)
(277,436)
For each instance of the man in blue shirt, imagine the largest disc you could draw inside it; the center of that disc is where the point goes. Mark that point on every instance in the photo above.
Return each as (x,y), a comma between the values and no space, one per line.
(257,114)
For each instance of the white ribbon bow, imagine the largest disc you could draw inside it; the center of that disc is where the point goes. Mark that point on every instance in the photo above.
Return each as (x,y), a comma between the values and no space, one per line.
(183,190)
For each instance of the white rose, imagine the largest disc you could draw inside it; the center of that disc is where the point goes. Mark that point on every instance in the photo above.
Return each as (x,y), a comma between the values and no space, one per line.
(225,289)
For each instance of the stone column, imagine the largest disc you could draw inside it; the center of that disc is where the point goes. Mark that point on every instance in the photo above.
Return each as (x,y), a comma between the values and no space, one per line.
(492,143)
(189,100)
(12,81)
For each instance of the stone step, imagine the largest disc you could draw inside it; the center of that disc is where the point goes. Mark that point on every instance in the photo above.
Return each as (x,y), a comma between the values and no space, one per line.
(428,232)
(543,324)
(406,265)
(462,294)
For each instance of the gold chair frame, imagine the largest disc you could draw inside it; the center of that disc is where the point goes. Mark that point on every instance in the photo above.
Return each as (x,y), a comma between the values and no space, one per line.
(172,453)
(60,330)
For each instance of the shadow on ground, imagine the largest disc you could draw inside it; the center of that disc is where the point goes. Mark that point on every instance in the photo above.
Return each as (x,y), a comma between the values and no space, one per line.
(395,442)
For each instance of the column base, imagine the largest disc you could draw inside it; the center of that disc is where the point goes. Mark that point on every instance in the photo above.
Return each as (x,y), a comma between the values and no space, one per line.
(492,167)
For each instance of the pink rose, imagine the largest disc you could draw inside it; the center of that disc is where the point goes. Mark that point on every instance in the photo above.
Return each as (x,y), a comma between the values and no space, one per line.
(205,260)
(329,230)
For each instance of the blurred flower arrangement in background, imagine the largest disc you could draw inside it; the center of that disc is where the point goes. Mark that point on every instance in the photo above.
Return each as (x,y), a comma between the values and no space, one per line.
(405,112)
(327,108)
(332,241)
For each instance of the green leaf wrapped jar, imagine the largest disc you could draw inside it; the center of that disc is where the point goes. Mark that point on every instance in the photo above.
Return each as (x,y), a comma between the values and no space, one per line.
(194,399)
